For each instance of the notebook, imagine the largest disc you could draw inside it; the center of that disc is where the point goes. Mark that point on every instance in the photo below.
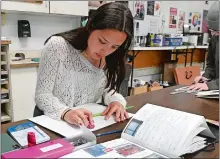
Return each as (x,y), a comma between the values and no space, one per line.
(19,133)
(8,144)
(154,132)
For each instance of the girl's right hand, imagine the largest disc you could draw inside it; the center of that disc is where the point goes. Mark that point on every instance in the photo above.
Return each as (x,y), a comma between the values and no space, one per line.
(79,117)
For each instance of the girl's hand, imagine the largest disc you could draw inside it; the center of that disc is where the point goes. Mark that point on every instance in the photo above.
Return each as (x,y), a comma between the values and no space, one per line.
(79,117)
(199,87)
(118,109)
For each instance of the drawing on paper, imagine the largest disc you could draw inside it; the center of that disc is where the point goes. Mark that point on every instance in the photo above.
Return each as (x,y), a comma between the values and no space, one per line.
(128,149)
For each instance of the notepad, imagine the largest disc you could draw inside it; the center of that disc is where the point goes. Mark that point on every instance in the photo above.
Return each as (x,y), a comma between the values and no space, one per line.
(20,132)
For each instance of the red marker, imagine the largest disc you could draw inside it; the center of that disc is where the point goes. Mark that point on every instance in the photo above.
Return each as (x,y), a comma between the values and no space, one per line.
(31,139)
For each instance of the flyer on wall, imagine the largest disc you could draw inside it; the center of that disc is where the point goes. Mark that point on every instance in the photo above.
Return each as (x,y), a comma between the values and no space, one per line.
(181,20)
(157,8)
(173,17)
(150,7)
(139,10)
(194,21)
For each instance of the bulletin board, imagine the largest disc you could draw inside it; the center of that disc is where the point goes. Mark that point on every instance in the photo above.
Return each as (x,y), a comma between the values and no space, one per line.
(154,16)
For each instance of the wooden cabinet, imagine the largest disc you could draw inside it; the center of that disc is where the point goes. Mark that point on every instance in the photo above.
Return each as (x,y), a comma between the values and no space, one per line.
(23,83)
(78,8)
(38,6)
(6,102)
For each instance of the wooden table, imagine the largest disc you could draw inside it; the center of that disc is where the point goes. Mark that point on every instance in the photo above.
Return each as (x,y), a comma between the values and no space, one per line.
(184,102)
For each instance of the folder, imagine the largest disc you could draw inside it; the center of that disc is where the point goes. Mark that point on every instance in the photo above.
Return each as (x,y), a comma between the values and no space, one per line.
(51,149)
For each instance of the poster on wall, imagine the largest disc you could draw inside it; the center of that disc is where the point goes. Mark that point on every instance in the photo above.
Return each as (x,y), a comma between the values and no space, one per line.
(139,10)
(157,8)
(150,7)
(173,17)
(204,22)
(181,20)
(195,21)
(153,8)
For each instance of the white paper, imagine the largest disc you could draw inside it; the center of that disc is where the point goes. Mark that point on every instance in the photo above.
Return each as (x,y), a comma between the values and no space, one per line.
(59,127)
(68,130)
(161,129)
(153,25)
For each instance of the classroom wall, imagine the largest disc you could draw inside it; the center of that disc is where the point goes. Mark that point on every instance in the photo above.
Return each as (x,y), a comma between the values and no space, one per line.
(41,28)
(186,6)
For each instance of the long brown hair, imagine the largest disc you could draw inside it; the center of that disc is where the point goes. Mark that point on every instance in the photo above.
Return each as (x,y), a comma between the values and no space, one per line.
(109,16)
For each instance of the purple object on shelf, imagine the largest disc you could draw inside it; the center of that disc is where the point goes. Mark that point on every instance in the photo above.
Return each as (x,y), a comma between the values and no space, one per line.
(172,41)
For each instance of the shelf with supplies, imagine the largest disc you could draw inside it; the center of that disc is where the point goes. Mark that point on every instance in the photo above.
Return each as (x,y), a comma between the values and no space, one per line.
(3,53)
(5,117)
(6,107)
(4,82)
(4,101)
(3,63)
(4,72)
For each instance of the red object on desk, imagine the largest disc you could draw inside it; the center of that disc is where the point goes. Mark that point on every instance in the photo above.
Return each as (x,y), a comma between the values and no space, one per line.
(31,139)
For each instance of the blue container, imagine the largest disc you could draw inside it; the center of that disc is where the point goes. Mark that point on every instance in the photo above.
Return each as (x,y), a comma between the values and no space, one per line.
(172,41)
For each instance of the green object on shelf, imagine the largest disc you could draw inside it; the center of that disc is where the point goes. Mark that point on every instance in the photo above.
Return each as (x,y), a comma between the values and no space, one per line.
(100,114)
(35,59)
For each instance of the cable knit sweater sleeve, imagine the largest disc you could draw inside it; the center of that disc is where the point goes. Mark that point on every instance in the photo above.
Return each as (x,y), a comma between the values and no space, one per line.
(50,60)
(116,97)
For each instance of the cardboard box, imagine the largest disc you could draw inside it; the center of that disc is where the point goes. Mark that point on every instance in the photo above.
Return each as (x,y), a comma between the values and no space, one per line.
(139,90)
(154,88)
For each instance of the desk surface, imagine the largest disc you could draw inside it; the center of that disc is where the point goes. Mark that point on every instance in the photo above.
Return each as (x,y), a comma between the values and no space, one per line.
(184,102)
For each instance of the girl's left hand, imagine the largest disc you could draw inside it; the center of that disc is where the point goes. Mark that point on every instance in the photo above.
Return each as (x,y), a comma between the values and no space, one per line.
(199,86)
(118,109)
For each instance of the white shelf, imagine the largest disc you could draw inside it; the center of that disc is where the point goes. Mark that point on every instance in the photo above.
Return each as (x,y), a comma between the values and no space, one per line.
(3,53)
(168,48)
(7,113)
(4,82)
(4,101)
(4,91)
(5,117)
(4,72)
(3,62)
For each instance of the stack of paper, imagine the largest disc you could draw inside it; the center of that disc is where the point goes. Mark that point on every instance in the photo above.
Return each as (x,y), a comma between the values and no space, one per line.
(208,94)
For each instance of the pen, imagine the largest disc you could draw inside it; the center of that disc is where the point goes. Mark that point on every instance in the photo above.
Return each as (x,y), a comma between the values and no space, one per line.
(109,132)
(100,114)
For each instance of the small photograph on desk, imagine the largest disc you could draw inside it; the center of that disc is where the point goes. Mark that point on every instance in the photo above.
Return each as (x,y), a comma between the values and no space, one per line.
(133,127)
(96,150)
(128,149)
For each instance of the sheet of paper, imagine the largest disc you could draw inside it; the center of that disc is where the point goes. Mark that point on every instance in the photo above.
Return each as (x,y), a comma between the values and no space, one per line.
(59,127)
(100,121)
(161,129)
(68,130)
(153,25)
(118,148)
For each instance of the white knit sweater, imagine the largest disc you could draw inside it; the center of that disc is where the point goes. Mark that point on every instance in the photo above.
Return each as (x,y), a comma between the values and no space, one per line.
(66,79)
